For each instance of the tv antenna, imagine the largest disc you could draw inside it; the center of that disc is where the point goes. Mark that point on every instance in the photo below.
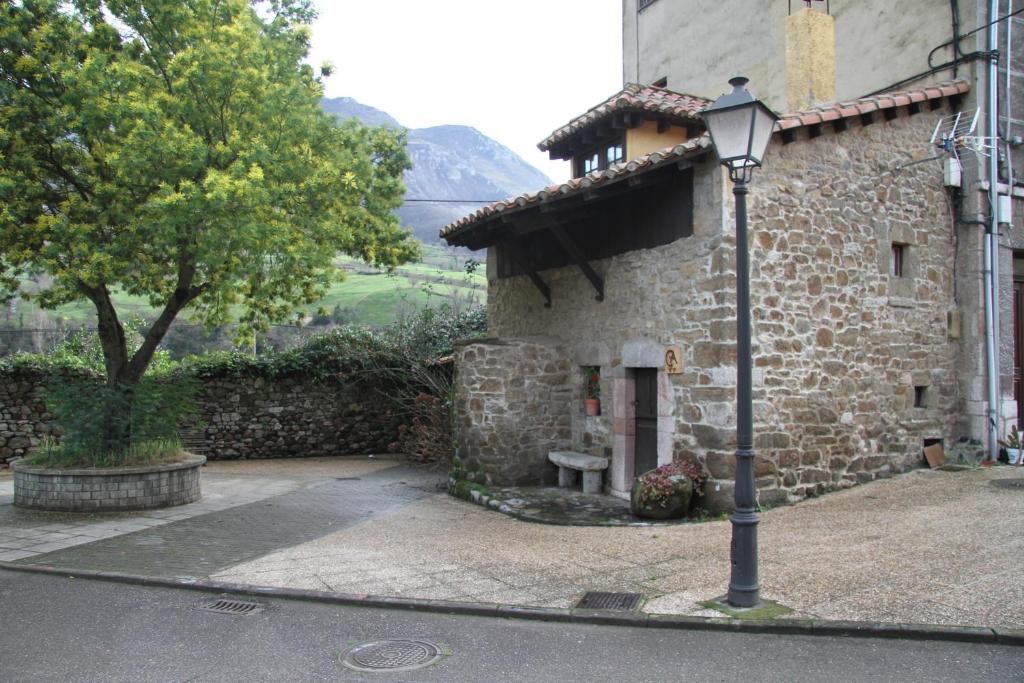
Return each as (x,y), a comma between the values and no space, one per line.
(953,137)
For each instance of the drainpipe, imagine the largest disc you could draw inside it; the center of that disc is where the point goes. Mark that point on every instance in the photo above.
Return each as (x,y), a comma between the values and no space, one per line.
(1008,103)
(992,236)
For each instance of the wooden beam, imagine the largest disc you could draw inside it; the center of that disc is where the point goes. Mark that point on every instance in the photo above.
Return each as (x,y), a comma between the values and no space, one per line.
(867,119)
(663,125)
(516,253)
(839,125)
(581,261)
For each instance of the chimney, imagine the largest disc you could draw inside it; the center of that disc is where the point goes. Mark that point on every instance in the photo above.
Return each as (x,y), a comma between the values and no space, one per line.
(810,58)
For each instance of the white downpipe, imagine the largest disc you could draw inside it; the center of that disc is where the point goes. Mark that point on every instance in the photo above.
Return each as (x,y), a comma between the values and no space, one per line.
(992,237)
(1007,101)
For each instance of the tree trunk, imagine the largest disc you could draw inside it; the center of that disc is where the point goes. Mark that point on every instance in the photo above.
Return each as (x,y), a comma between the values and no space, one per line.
(124,372)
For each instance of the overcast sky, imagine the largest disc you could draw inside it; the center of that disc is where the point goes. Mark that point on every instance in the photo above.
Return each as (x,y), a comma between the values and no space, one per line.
(515,71)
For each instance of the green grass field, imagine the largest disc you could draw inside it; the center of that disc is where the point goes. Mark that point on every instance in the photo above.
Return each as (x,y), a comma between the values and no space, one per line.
(366,297)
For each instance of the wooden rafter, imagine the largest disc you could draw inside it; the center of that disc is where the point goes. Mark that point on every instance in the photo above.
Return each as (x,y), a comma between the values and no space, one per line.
(516,253)
(581,261)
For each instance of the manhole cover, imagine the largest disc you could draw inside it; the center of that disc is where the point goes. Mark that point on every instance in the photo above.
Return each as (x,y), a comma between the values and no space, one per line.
(599,600)
(239,607)
(1012,483)
(391,655)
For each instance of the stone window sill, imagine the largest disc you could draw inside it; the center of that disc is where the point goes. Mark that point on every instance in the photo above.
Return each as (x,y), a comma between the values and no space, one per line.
(902,302)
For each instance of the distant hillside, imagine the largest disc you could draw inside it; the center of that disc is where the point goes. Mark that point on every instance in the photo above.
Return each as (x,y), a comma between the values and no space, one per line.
(347,108)
(449,162)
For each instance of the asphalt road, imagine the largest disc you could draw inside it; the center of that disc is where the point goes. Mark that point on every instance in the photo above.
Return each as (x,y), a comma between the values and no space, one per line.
(55,628)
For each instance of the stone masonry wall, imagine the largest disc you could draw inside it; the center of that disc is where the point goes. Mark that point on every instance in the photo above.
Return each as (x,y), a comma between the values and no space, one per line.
(859,365)
(239,417)
(511,399)
(839,344)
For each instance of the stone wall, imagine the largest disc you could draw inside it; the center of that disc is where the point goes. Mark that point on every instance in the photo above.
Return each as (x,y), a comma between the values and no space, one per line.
(239,417)
(24,419)
(842,350)
(858,365)
(292,417)
(511,399)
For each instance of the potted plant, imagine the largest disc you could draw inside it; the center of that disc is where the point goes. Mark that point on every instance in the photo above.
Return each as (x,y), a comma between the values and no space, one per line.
(665,492)
(1012,443)
(592,391)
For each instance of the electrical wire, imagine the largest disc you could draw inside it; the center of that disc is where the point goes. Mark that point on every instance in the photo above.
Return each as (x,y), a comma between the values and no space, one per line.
(953,63)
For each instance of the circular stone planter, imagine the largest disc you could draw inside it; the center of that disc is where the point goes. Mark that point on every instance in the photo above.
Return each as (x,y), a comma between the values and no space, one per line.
(112,489)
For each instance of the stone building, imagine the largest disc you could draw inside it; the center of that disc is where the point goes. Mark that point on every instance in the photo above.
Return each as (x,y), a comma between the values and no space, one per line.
(862,326)
(797,58)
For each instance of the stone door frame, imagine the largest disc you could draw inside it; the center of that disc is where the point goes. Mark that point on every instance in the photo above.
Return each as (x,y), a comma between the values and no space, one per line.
(637,354)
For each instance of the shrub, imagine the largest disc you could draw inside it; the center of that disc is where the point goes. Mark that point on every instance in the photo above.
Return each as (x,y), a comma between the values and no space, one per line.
(656,487)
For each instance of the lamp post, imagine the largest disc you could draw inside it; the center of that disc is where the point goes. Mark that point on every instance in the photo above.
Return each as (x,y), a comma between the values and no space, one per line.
(740,128)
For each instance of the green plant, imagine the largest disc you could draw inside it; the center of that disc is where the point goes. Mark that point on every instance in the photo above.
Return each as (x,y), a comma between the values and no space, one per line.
(61,456)
(1012,440)
(657,486)
(106,426)
(592,382)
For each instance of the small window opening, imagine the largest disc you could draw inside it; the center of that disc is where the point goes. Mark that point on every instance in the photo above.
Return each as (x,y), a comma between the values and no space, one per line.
(591,389)
(920,397)
(899,259)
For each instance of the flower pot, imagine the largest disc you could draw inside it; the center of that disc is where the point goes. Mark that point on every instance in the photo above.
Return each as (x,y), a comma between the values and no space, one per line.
(1013,456)
(592,406)
(673,506)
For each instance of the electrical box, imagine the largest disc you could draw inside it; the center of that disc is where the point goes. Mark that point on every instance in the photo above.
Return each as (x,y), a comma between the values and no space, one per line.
(951,172)
(1005,209)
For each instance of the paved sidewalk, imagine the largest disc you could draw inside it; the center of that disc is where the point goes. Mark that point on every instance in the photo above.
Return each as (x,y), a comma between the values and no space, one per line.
(25,534)
(925,547)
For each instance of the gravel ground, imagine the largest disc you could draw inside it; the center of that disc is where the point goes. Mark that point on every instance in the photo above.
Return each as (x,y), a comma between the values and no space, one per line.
(923,547)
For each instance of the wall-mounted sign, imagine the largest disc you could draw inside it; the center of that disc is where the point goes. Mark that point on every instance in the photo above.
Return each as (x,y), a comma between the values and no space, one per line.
(673,360)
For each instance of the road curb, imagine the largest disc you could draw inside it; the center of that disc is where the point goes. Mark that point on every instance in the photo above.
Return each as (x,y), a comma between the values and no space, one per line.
(806,627)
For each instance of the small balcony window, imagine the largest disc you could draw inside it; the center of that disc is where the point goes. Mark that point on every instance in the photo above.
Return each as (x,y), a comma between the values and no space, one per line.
(600,158)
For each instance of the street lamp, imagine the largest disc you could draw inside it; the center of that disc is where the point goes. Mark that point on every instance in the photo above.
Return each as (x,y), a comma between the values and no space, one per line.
(740,128)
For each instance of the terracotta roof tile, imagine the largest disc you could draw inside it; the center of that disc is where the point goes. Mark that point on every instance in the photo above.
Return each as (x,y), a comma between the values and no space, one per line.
(866,105)
(634,97)
(692,147)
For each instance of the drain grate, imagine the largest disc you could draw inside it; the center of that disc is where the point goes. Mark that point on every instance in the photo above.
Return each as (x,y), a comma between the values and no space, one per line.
(1011,483)
(392,655)
(238,607)
(599,600)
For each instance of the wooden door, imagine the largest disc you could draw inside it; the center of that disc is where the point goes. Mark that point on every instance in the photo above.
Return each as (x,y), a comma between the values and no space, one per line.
(646,452)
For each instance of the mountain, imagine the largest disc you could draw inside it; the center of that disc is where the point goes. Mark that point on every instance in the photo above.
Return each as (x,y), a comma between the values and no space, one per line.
(347,108)
(449,163)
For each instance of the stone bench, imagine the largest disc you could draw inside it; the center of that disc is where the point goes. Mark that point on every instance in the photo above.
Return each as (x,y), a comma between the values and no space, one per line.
(569,463)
